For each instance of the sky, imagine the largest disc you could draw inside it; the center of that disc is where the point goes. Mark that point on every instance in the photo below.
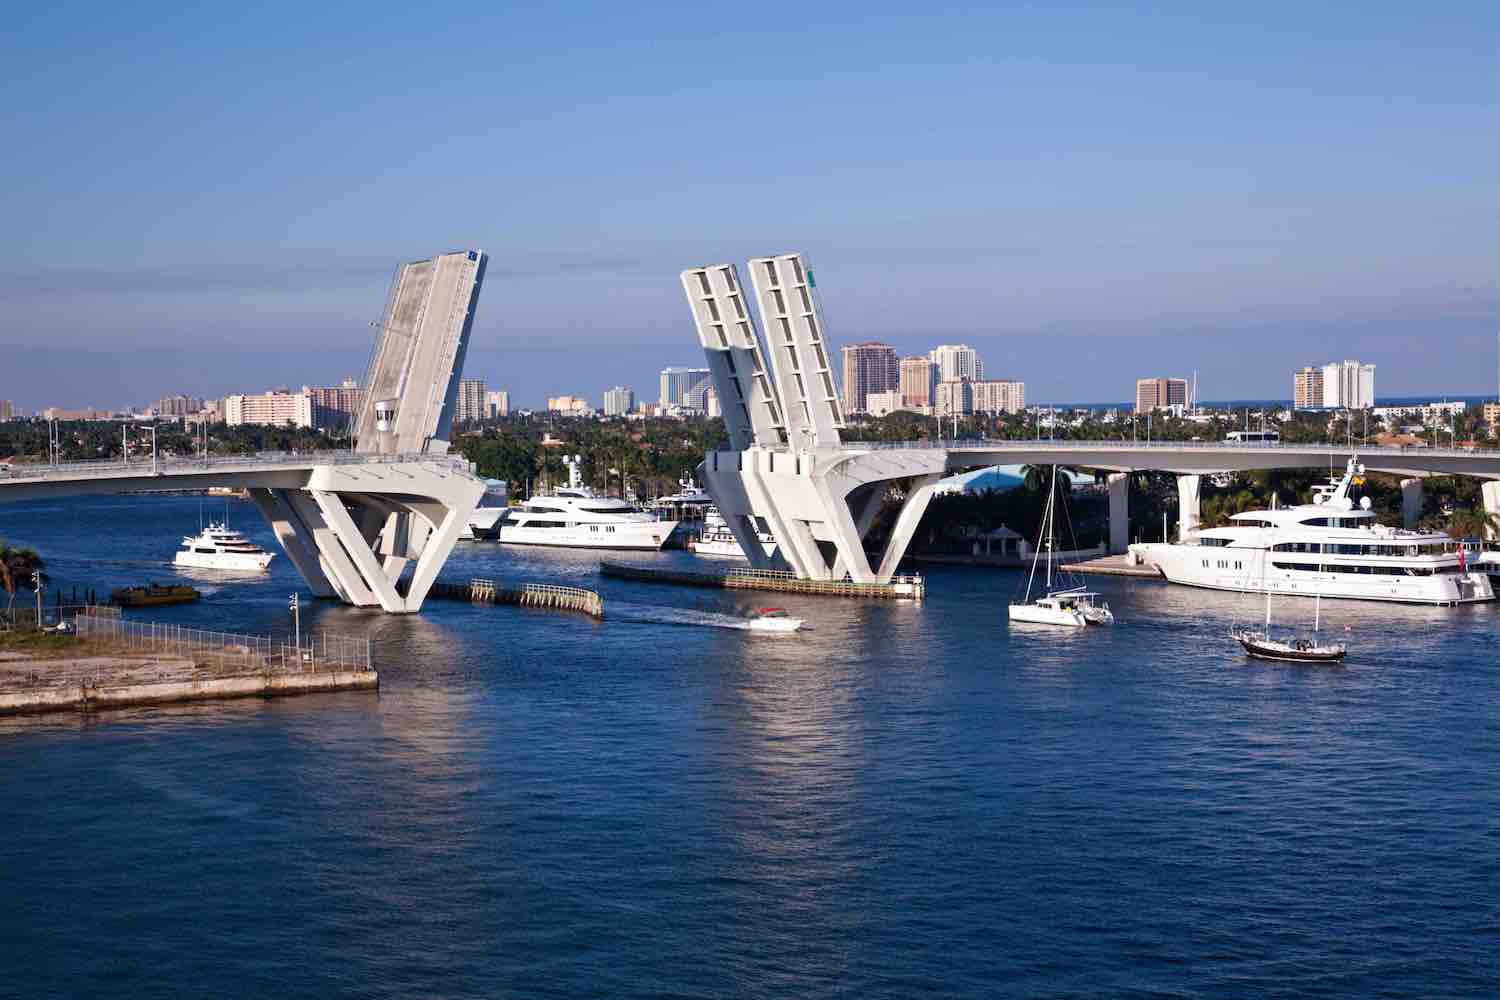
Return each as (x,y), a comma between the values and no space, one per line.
(212,198)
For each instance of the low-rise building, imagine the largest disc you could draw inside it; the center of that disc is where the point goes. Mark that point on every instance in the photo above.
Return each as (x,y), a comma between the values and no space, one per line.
(1433,414)
(571,406)
(497,403)
(880,404)
(276,408)
(999,396)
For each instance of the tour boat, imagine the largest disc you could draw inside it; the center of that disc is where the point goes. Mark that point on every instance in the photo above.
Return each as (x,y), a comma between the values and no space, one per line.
(774,620)
(217,547)
(1331,547)
(1074,607)
(577,517)
(717,539)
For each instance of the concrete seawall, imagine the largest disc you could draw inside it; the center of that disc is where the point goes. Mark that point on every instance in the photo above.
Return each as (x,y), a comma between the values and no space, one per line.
(29,686)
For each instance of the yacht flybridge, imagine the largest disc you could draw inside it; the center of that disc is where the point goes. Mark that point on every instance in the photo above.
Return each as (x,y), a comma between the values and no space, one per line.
(577,517)
(1331,547)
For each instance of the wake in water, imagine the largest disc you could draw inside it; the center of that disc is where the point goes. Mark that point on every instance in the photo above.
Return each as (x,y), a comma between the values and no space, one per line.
(656,614)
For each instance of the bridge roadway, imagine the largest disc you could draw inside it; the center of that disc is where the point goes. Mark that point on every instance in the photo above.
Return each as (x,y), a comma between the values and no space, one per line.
(819,502)
(350,523)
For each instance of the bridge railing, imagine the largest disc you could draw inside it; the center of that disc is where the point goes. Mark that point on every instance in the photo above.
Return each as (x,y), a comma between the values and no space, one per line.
(1111,444)
(180,466)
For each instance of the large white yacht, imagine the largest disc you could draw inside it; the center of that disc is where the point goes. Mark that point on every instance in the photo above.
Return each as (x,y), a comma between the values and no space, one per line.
(717,539)
(1332,547)
(492,506)
(217,547)
(577,517)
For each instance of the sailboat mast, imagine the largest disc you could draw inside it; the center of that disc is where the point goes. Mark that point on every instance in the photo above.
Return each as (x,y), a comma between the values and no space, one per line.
(1051,505)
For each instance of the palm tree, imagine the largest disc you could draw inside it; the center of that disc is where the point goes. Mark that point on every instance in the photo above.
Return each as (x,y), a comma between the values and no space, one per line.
(1474,523)
(16,564)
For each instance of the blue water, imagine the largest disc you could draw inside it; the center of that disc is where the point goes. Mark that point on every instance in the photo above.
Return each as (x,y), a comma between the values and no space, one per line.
(905,801)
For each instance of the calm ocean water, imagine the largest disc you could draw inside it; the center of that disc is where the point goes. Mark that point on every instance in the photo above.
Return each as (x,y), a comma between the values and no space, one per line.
(905,801)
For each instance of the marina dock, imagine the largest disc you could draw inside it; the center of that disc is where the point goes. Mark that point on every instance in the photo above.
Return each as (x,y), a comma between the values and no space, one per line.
(909,588)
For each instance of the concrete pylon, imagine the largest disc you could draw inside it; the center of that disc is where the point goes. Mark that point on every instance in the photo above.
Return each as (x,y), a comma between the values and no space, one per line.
(1189,513)
(1490,491)
(354,530)
(1119,511)
(1411,502)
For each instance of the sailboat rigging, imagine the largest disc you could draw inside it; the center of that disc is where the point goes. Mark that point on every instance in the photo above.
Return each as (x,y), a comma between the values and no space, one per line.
(1072,607)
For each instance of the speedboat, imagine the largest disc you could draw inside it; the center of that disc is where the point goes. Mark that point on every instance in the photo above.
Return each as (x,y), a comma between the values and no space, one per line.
(774,620)
(1263,646)
(217,547)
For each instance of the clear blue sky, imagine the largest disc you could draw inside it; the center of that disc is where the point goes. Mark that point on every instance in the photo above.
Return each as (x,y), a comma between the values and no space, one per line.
(212,199)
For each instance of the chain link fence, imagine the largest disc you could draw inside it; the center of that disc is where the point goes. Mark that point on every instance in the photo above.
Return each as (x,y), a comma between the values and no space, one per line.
(159,640)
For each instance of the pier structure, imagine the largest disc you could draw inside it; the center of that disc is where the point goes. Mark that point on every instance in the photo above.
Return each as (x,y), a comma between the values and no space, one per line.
(372,526)
(787,470)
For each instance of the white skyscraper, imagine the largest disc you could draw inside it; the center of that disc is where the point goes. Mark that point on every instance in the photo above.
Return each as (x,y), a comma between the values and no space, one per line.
(1348,385)
(676,383)
(618,401)
(956,361)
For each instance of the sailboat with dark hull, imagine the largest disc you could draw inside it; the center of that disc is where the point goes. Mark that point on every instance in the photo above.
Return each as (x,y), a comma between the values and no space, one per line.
(1264,646)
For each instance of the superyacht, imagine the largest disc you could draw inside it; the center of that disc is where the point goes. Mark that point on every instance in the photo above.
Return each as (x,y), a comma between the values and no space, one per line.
(1331,547)
(577,517)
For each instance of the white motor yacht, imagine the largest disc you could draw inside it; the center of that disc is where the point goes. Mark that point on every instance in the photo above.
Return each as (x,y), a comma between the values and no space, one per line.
(717,539)
(1331,547)
(492,505)
(217,547)
(577,517)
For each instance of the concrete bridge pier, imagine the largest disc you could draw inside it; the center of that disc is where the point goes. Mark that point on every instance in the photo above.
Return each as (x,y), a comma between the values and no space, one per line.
(1189,510)
(1119,511)
(1411,502)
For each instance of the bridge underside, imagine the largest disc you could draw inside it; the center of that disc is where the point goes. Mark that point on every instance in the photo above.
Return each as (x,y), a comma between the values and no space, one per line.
(352,531)
(820,504)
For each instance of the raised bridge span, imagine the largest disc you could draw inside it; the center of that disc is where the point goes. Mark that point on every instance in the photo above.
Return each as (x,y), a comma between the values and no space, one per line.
(353,523)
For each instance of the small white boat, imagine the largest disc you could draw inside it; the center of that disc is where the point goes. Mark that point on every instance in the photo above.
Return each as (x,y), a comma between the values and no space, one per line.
(217,547)
(774,620)
(1054,609)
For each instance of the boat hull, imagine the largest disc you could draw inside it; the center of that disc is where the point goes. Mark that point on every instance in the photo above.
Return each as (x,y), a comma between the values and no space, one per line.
(233,562)
(647,536)
(1282,654)
(1034,615)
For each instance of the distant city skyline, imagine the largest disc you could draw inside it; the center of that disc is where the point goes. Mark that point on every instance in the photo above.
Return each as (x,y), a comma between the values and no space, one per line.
(1073,195)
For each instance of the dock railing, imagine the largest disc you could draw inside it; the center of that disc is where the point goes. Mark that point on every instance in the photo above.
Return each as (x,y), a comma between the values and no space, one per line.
(318,651)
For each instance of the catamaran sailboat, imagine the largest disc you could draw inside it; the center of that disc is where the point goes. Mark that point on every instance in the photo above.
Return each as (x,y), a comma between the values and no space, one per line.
(1073,607)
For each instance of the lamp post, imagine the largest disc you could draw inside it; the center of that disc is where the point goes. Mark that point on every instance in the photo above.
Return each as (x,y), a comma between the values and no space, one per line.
(296,610)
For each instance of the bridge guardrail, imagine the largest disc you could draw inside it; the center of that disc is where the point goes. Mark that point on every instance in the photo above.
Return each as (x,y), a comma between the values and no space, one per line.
(1077,444)
(179,466)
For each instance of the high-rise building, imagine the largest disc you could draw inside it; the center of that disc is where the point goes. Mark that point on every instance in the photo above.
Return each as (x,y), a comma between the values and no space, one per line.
(711,407)
(7,410)
(999,396)
(954,397)
(1159,393)
(276,408)
(1348,385)
(677,382)
(1491,413)
(1307,388)
(496,403)
(334,406)
(471,399)
(573,406)
(619,401)
(177,406)
(916,383)
(869,367)
(956,361)
(697,397)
